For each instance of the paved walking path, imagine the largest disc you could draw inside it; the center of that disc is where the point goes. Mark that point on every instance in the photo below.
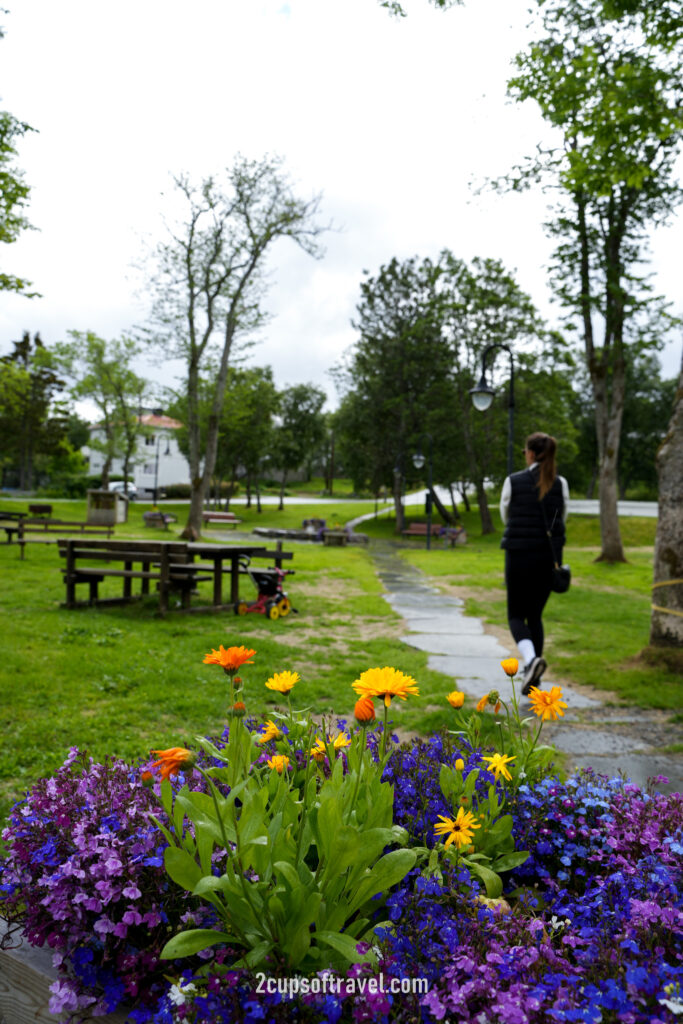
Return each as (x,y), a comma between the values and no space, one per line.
(609,739)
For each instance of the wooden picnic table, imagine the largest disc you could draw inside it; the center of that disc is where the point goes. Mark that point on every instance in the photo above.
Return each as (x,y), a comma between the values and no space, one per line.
(171,564)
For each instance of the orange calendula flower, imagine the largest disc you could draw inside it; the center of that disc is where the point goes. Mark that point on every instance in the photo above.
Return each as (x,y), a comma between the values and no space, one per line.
(270,732)
(547,705)
(459,829)
(364,711)
(278,762)
(146,778)
(318,751)
(230,658)
(483,702)
(341,741)
(455,698)
(283,681)
(498,765)
(172,760)
(510,666)
(386,683)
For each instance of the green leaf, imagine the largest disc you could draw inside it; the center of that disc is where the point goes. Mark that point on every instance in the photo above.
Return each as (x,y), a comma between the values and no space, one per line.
(182,868)
(491,880)
(510,860)
(345,945)
(190,942)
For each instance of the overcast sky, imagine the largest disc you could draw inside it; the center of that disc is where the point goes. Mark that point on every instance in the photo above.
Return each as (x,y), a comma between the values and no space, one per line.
(391,120)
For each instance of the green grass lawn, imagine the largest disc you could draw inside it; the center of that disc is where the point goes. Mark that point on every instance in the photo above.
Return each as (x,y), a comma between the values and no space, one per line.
(121,680)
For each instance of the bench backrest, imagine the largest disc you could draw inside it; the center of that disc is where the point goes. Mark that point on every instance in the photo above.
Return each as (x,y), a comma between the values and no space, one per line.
(80,546)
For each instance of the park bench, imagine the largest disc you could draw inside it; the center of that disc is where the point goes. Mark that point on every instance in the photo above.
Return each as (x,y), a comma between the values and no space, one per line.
(40,510)
(48,531)
(159,519)
(227,518)
(451,534)
(170,565)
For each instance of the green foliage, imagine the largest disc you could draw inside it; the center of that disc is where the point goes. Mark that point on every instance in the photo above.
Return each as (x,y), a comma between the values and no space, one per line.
(14,193)
(606,76)
(302,855)
(33,421)
(301,428)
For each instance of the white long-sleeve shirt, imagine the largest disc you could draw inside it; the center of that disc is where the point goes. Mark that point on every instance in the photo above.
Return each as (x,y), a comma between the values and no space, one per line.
(506,495)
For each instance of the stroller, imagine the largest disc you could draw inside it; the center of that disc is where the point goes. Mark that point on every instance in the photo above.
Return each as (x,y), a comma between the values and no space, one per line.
(272,600)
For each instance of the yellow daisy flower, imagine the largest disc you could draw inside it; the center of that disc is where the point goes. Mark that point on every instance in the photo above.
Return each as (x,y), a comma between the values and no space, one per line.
(278,762)
(455,698)
(270,732)
(510,666)
(386,683)
(459,829)
(498,765)
(283,681)
(547,705)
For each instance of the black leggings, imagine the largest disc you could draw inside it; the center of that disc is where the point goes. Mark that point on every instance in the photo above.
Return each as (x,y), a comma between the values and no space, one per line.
(527,578)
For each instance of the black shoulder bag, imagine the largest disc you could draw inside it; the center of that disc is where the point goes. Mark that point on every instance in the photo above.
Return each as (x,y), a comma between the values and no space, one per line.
(561,575)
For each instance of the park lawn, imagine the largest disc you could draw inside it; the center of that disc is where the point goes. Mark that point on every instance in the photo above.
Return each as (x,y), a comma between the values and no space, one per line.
(594,633)
(122,680)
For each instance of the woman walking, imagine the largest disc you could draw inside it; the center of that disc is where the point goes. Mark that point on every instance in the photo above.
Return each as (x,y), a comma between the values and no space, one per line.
(525,498)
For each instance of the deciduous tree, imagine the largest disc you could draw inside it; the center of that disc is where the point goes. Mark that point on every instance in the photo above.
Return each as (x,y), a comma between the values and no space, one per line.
(666,629)
(606,76)
(209,282)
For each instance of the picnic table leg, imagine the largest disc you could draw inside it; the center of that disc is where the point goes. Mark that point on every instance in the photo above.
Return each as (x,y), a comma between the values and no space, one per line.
(218,581)
(144,585)
(94,584)
(235,580)
(70,582)
(127,580)
(164,582)
(278,561)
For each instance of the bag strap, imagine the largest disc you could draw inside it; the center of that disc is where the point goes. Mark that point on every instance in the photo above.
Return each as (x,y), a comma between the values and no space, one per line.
(548,533)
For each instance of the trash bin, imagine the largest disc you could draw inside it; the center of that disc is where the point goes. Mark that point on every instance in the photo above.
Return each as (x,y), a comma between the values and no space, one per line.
(106,508)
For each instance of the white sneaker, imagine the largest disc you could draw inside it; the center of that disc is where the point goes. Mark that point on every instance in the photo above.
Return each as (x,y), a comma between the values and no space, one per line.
(532,674)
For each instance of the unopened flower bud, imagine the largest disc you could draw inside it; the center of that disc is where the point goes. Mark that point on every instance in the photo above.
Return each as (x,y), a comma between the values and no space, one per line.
(238,710)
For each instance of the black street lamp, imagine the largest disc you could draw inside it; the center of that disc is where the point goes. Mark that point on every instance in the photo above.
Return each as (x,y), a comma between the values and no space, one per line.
(483,395)
(160,437)
(398,489)
(418,462)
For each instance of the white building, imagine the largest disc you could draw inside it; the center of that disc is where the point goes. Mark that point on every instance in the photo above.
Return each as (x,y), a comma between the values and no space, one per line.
(158,460)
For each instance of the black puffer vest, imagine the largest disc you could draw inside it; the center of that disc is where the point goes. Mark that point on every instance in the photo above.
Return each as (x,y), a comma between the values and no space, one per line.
(525,529)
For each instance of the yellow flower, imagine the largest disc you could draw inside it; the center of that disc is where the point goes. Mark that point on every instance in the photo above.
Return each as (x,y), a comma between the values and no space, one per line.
(278,762)
(510,666)
(386,683)
(341,741)
(229,658)
(270,732)
(459,764)
(318,751)
(283,681)
(498,765)
(455,698)
(459,829)
(483,702)
(547,705)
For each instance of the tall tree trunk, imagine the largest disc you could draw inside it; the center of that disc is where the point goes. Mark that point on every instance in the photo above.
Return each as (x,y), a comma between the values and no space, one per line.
(484,511)
(443,511)
(608,447)
(282,491)
(465,499)
(456,514)
(666,626)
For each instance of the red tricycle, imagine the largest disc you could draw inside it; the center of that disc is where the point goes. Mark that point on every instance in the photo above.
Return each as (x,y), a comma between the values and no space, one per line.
(272,600)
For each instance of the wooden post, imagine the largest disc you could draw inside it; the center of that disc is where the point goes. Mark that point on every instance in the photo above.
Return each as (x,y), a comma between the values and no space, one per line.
(278,561)
(218,581)
(127,580)
(235,579)
(164,581)
(70,580)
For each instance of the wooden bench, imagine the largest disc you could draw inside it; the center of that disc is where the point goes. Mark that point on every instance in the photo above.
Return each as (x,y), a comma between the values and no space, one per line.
(162,561)
(159,519)
(227,518)
(49,530)
(171,564)
(420,530)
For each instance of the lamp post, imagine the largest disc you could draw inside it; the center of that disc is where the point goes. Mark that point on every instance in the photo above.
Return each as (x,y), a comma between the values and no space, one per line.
(156,462)
(418,462)
(483,395)
(398,492)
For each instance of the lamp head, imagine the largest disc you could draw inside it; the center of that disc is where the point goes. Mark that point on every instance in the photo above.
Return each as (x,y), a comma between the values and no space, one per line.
(418,460)
(482,395)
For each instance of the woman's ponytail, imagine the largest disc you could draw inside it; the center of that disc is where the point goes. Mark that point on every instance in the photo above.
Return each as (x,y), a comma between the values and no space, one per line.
(544,447)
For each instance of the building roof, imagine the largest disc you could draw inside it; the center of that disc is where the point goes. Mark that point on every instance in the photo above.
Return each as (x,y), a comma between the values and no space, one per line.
(150,419)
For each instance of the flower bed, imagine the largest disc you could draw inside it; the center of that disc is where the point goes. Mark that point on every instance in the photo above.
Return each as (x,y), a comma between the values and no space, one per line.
(295,871)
